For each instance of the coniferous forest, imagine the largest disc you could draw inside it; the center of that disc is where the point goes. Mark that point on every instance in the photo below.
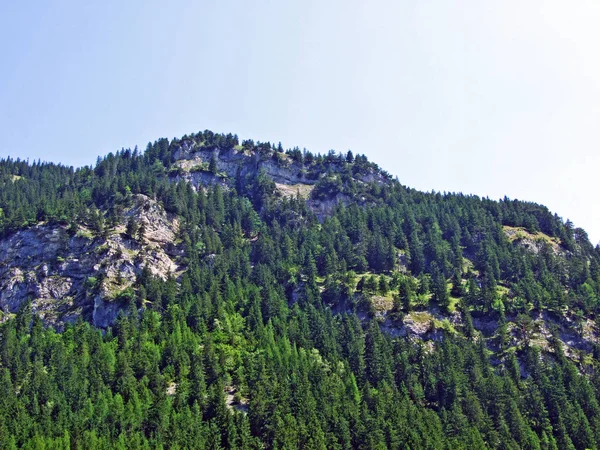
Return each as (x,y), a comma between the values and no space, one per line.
(397,319)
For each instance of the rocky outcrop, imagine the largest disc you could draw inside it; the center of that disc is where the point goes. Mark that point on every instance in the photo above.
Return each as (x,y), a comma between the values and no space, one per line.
(67,275)
(325,207)
(42,263)
(192,162)
(106,312)
(533,242)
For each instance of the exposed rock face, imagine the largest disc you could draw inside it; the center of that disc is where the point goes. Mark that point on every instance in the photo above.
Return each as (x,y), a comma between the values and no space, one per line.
(423,325)
(43,263)
(324,208)
(66,276)
(533,242)
(105,312)
(192,162)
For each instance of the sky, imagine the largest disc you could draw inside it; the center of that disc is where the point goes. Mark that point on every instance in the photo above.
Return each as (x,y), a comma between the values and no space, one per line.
(486,98)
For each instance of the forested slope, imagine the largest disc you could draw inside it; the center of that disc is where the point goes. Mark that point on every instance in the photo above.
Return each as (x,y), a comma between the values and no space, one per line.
(253,297)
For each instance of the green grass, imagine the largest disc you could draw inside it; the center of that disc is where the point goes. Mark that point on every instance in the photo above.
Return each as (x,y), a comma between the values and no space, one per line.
(84,233)
(101,249)
(199,168)
(453,304)
(382,303)
(468,265)
(444,324)
(519,233)
(131,253)
(421,316)
(422,300)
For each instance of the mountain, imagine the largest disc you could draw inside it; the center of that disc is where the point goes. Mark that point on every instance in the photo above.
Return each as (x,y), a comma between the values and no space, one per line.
(207,293)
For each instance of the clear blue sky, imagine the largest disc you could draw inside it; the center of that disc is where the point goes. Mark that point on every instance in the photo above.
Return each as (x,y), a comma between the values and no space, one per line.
(492,98)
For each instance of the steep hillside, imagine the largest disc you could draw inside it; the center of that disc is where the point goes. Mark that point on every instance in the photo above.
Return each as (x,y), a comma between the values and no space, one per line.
(67,272)
(236,295)
(337,179)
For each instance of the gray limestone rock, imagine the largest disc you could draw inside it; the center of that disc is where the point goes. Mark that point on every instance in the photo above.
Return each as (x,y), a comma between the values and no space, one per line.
(63,276)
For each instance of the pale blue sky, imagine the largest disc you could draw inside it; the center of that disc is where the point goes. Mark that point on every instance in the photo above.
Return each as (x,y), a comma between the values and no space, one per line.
(492,98)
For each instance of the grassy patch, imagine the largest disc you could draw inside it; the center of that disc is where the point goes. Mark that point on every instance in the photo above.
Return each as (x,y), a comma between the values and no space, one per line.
(421,316)
(422,300)
(445,325)
(519,233)
(130,253)
(382,303)
(469,266)
(453,304)
(84,233)
(101,249)
(199,168)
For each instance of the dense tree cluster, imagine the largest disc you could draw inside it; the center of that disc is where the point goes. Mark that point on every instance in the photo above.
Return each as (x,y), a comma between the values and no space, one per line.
(259,343)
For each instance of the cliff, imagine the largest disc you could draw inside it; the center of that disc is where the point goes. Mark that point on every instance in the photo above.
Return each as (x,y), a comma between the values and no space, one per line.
(71,273)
